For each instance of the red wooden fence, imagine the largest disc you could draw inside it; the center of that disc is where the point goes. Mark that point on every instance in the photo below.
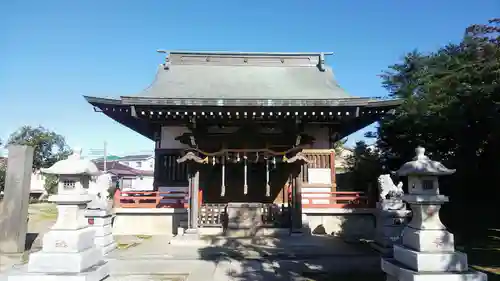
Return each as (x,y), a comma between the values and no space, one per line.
(339,199)
(178,199)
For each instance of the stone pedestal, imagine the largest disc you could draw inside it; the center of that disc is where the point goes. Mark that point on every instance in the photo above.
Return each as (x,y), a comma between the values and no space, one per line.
(100,222)
(244,215)
(68,251)
(391,218)
(428,251)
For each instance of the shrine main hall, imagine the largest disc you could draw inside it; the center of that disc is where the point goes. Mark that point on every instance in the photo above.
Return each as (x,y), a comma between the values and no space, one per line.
(245,130)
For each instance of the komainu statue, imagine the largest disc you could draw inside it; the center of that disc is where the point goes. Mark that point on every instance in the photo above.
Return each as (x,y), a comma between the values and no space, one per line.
(98,189)
(388,190)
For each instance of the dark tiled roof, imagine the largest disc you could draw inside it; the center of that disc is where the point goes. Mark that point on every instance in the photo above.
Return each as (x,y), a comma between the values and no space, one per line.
(241,79)
(244,76)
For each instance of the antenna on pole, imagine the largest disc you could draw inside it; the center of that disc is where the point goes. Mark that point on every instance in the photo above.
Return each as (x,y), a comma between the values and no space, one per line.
(105,156)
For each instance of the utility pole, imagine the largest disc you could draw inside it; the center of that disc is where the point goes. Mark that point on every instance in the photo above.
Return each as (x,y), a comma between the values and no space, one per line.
(105,156)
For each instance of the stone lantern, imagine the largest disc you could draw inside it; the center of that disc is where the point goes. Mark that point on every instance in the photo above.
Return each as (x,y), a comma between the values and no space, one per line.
(68,249)
(428,249)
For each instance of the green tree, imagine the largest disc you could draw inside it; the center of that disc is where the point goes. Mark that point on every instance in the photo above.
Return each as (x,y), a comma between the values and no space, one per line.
(364,166)
(338,146)
(2,178)
(2,173)
(50,147)
(451,107)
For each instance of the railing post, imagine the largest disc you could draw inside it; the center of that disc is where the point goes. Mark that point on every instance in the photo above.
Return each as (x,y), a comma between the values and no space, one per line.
(116,198)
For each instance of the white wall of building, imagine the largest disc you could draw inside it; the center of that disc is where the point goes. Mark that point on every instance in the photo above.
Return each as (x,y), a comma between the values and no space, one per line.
(37,183)
(142,165)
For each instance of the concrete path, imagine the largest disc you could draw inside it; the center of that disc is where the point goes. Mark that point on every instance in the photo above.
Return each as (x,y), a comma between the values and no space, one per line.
(219,259)
(242,259)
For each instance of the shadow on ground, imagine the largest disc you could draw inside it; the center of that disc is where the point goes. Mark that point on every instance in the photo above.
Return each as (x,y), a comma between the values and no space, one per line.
(290,258)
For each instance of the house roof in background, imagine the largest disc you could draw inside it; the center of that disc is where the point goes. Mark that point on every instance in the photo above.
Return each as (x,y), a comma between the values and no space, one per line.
(109,158)
(114,167)
(137,157)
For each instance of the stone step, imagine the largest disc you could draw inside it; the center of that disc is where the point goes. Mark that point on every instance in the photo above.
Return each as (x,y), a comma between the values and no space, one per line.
(431,261)
(398,271)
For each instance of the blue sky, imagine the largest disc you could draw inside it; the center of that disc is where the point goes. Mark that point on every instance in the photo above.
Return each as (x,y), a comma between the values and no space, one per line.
(53,52)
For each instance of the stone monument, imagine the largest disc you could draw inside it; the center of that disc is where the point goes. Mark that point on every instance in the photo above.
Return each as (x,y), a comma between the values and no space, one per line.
(391,215)
(99,215)
(13,223)
(68,249)
(428,249)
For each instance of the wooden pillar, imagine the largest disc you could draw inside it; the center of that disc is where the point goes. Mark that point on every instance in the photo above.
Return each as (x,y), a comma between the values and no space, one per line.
(297,204)
(194,188)
(333,171)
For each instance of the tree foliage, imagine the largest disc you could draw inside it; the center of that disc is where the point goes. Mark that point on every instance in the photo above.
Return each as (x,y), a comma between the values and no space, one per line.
(338,146)
(2,173)
(2,178)
(364,167)
(452,108)
(50,147)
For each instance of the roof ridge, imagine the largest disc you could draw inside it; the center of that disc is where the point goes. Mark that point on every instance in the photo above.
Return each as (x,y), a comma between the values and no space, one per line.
(229,53)
(246,59)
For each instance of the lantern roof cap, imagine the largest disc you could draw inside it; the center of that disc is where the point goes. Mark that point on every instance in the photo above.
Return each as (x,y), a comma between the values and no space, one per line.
(73,165)
(421,165)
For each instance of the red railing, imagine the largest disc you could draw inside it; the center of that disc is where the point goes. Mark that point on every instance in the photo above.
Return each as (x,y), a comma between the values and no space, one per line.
(345,199)
(177,199)
(150,199)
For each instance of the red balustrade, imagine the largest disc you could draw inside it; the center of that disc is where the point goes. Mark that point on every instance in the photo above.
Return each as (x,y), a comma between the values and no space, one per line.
(178,199)
(150,199)
(339,199)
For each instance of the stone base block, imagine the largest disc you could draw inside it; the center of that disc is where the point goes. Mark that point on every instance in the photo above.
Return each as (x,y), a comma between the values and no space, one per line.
(428,240)
(102,230)
(68,241)
(382,250)
(64,262)
(427,261)
(97,213)
(108,248)
(94,273)
(388,235)
(397,271)
(180,231)
(104,240)
(191,237)
(101,221)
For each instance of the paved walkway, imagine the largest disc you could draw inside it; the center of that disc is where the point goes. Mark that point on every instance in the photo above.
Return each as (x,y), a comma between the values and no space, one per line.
(243,259)
(290,258)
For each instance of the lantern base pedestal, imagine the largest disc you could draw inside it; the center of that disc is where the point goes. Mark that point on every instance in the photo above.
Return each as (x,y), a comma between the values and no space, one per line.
(100,222)
(55,263)
(96,273)
(398,272)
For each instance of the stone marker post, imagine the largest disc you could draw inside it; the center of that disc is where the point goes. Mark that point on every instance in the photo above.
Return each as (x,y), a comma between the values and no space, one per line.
(68,249)
(13,223)
(428,249)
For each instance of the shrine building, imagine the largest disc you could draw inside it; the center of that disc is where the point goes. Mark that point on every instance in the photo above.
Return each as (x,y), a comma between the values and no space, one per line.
(244,129)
